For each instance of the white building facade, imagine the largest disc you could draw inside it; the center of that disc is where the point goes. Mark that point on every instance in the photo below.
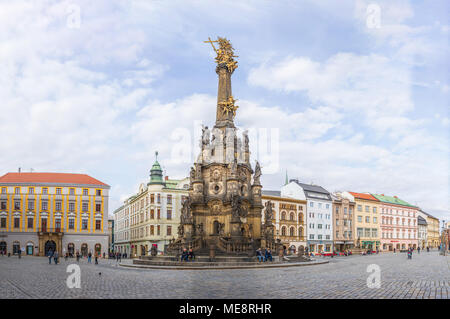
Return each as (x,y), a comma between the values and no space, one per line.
(319,215)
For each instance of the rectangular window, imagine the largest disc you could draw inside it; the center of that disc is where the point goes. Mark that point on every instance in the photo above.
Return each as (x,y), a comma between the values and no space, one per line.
(159,214)
(31,190)
(58,191)
(311,236)
(71,223)
(16,222)
(374,220)
(311,204)
(374,232)
(345,210)
(85,207)
(3,205)
(359,208)
(367,219)
(98,207)
(360,232)
(152,214)
(17,204)
(30,205)
(58,206)
(367,232)
(337,234)
(367,209)
(320,205)
(169,214)
(374,209)
(327,237)
(360,219)
(71,207)
(85,192)
(98,224)
(72,191)
(169,199)
(99,192)
(158,230)
(84,224)
(169,230)
(17,190)
(45,191)
(44,205)
(319,236)
(3,222)
(30,222)
(57,225)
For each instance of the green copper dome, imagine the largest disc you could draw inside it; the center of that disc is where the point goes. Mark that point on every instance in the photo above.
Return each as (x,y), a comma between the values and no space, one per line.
(156,175)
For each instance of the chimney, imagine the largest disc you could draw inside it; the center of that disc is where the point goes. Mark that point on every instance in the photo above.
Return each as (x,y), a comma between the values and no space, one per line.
(19,169)
(166,178)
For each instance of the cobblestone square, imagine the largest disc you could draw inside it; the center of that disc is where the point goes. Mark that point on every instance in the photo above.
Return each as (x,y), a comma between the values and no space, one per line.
(427,275)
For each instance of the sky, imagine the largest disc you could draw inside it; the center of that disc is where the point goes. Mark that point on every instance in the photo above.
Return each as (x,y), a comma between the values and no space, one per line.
(349,95)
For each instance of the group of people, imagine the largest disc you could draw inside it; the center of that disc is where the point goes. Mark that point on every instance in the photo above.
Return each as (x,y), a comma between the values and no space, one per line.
(264,256)
(187,255)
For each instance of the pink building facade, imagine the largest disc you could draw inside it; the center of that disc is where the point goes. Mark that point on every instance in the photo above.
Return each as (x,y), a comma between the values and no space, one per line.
(399,227)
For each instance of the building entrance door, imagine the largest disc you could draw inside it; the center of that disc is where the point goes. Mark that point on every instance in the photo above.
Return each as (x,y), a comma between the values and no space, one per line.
(50,245)
(3,247)
(30,249)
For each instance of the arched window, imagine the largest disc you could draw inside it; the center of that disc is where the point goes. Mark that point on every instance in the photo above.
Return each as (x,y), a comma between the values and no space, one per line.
(283,231)
(292,231)
(292,216)
(283,215)
(300,231)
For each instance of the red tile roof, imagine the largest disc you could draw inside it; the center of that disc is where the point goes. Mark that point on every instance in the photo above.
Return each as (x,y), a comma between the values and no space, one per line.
(364,196)
(54,178)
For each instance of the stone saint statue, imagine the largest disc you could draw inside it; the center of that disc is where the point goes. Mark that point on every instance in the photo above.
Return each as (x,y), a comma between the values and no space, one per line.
(257,174)
(180,230)
(235,206)
(205,136)
(245,136)
(268,214)
(234,167)
(186,214)
(192,174)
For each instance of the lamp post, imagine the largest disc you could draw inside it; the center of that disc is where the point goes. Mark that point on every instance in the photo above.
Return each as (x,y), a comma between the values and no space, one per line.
(443,241)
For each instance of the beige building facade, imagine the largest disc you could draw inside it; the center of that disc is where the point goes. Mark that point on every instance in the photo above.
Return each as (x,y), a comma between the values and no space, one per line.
(289,218)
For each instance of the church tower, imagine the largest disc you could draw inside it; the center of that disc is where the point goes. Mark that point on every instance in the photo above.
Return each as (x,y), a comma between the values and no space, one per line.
(224,209)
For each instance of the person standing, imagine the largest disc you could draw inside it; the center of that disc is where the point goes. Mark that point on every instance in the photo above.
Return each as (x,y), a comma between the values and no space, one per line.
(418,250)
(96,258)
(20,253)
(89,257)
(50,256)
(55,257)
(78,256)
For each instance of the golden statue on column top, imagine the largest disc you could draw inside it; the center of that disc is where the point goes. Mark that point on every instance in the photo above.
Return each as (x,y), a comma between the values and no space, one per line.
(225,53)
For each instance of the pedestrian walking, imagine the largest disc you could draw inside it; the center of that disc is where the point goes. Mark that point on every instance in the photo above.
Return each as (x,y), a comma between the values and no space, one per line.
(78,256)
(418,250)
(55,257)
(50,256)
(96,258)
(89,257)
(20,253)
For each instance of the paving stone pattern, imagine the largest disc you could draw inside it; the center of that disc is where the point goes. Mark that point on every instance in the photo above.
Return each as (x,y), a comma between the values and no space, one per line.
(427,275)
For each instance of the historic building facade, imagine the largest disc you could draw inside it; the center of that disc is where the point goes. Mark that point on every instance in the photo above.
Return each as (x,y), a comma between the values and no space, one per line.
(319,214)
(422,231)
(289,218)
(367,221)
(40,212)
(343,220)
(399,227)
(151,217)
(433,234)
(110,235)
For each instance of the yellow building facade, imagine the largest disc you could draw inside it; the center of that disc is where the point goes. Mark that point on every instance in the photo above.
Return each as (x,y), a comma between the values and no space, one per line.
(366,221)
(42,212)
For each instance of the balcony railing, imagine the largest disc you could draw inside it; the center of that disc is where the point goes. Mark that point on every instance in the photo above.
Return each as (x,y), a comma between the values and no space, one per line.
(50,230)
